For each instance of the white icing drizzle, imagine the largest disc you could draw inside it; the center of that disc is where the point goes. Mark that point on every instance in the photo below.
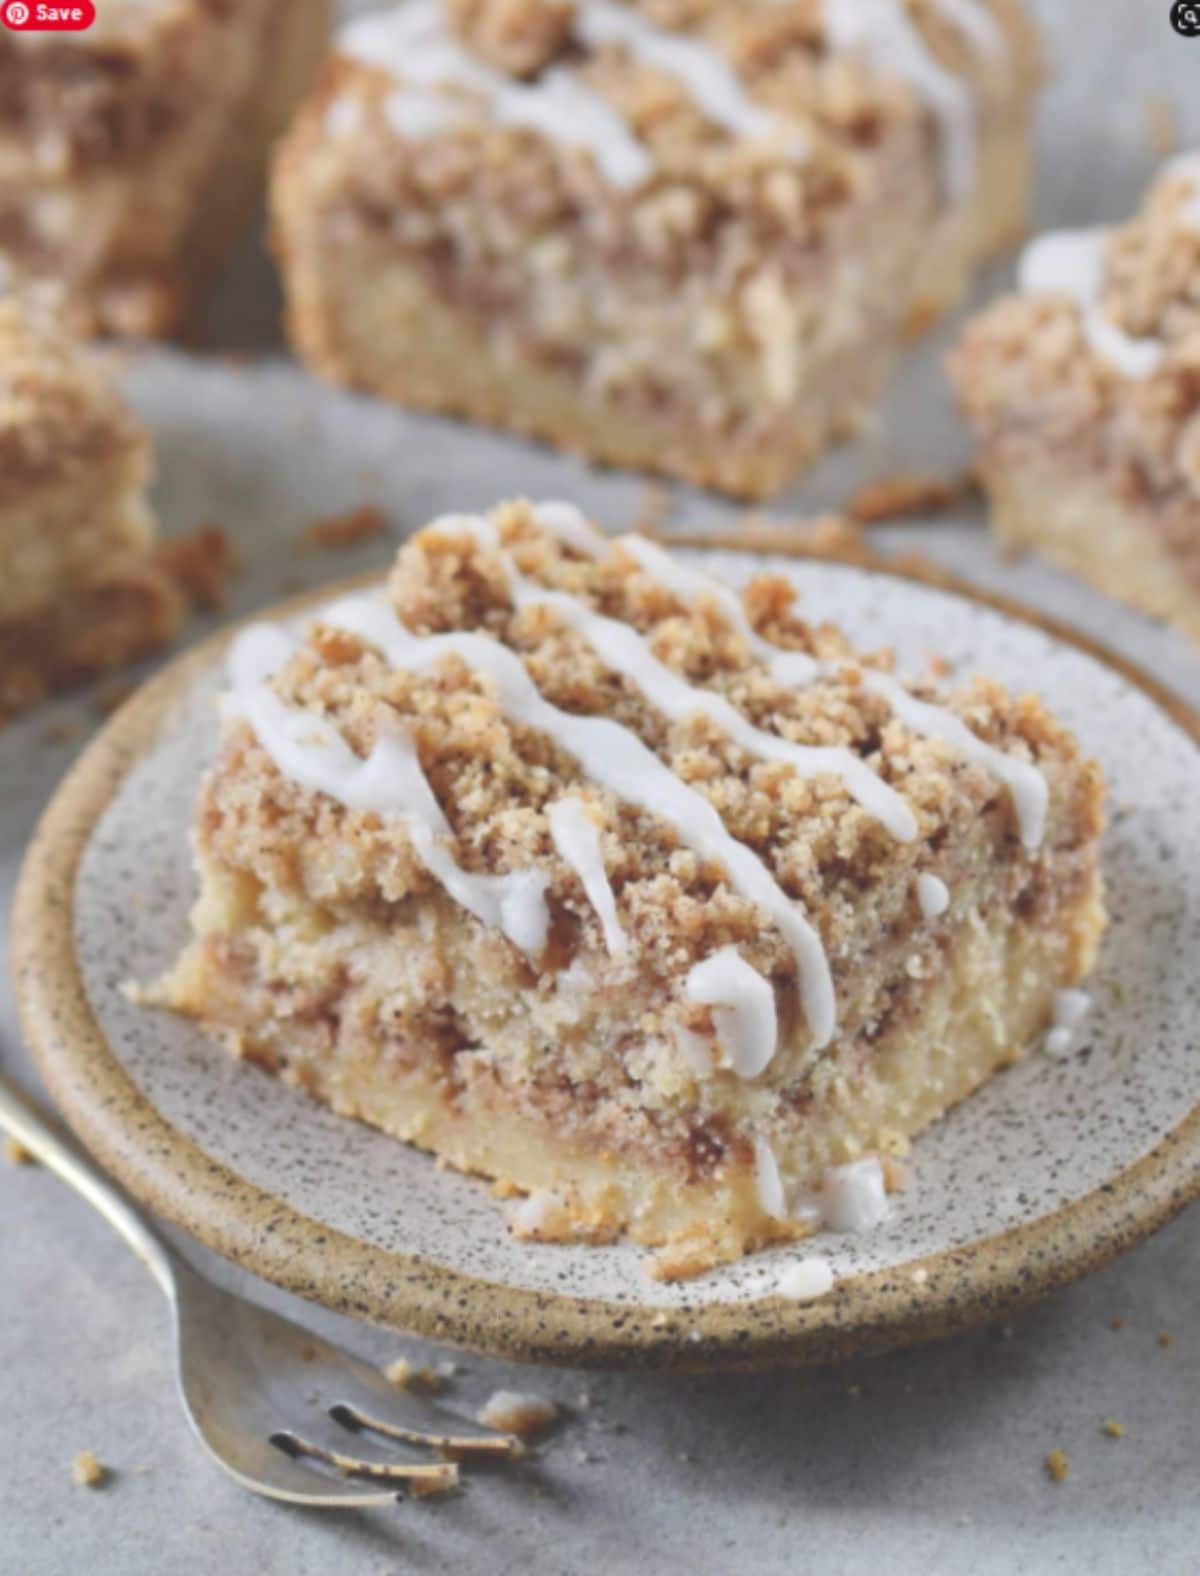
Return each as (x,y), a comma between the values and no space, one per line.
(627,652)
(933,895)
(976,23)
(617,759)
(577,841)
(743,1009)
(1071,263)
(689,586)
(1025,782)
(706,76)
(884,34)
(1070,1009)
(853,1197)
(412,44)
(806,1279)
(768,1183)
(309,750)
(570,525)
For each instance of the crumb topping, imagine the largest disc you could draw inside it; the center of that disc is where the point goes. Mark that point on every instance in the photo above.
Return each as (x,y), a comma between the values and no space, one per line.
(1026,364)
(58,411)
(494,779)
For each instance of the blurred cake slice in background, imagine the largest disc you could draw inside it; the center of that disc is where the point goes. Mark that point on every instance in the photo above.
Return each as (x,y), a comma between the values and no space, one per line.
(82,589)
(1084,391)
(132,154)
(688,239)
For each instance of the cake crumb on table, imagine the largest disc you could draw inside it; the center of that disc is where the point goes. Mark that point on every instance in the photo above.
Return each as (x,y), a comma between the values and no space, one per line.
(1058,1466)
(1117,1323)
(1112,1428)
(1166,1338)
(348,529)
(201,563)
(399,1373)
(903,495)
(514,1412)
(16,1153)
(87,1470)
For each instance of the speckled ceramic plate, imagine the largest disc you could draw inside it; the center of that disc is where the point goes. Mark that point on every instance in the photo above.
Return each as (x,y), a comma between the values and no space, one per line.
(1050,1171)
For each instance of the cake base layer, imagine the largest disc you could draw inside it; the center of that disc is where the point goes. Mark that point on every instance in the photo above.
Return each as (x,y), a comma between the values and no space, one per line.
(370,322)
(993,995)
(364,313)
(1074,516)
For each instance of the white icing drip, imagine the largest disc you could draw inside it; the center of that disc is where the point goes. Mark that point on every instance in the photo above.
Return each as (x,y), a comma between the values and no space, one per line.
(696,1049)
(883,33)
(806,1279)
(571,526)
(976,23)
(577,841)
(411,43)
(768,1183)
(1070,1009)
(933,895)
(1071,263)
(309,750)
(1024,781)
(853,1197)
(623,649)
(743,1009)
(619,761)
(706,76)
(693,585)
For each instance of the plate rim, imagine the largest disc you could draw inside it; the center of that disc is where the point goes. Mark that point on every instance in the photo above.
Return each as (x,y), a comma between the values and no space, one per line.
(161,1167)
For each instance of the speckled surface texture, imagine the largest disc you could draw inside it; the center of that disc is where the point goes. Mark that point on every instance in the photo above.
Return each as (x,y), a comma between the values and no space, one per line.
(925,1461)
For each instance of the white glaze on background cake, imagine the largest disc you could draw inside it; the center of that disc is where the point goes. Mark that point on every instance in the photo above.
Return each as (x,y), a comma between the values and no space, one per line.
(883,33)
(1071,263)
(412,43)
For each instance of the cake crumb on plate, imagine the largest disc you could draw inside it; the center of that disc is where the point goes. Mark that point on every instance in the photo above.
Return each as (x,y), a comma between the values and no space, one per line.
(516,1412)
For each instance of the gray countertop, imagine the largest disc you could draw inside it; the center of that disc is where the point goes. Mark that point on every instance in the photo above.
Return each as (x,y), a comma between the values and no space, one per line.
(930,1460)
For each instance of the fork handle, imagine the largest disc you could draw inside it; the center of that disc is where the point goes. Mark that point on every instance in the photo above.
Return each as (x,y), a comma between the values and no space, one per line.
(20,1117)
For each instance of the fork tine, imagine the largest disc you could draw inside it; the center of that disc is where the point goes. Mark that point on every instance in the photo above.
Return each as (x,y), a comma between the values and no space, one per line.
(421,1479)
(450,1446)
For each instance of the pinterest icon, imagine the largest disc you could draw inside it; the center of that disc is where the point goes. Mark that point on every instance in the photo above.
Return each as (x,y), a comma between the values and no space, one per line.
(37,16)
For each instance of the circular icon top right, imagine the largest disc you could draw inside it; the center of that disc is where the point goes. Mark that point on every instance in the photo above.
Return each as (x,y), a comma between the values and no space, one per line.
(1185,18)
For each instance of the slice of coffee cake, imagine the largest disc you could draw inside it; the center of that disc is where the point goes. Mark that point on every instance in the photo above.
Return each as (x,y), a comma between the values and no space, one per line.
(81,590)
(1085,394)
(687,238)
(564,861)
